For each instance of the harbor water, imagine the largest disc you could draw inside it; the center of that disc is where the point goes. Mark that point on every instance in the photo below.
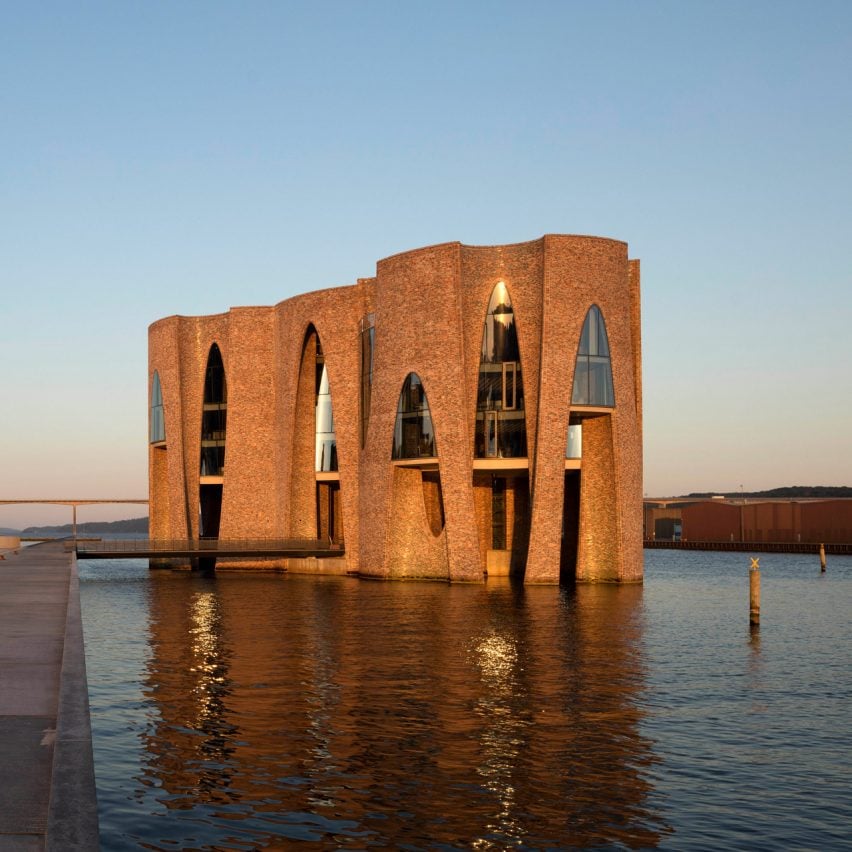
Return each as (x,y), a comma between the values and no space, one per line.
(253,711)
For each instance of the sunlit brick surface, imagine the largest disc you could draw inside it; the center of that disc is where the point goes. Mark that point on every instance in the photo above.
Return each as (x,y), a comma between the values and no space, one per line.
(429,307)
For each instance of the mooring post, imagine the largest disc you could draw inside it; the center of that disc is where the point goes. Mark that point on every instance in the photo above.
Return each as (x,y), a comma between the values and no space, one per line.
(74,521)
(754,591)
(822,559)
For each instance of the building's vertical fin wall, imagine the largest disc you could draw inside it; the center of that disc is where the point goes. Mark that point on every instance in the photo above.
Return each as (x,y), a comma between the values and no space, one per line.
(302,474)
(633,271)
(333,315)
(166,483)
(251,427)
(416,309)
(560,333)
(598,556)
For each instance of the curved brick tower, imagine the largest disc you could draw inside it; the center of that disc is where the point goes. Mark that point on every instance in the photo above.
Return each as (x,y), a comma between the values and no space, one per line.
(469,412)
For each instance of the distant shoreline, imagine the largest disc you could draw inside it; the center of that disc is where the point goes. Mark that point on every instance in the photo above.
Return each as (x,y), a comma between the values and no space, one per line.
(131,525)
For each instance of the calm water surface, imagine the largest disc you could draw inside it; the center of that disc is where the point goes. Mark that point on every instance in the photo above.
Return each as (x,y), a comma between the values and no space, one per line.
(252,712)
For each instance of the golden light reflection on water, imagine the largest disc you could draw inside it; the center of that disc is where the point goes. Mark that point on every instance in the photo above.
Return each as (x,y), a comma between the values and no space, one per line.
(464,716)
(502,730)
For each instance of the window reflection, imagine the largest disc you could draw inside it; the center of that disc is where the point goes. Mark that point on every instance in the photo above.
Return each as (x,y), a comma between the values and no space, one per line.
(214,416)
(368,342)
(574,450)
(500,424)
(326,438)
(593,370)
(413,433)
(157,431)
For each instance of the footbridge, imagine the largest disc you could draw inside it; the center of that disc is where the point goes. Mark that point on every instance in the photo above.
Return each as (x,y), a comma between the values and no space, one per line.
(73,503)
(142,548)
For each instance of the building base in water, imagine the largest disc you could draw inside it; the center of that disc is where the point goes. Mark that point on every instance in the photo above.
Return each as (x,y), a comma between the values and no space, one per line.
(469,412)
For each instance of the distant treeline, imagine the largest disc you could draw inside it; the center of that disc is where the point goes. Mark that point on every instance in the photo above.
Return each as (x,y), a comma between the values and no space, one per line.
(791,491)
(132,525)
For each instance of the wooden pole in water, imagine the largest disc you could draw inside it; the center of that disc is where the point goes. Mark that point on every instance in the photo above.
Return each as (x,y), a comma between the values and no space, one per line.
(822,559)
(754,592)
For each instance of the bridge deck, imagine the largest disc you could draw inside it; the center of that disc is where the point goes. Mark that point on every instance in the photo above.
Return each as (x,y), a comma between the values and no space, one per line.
(142,548)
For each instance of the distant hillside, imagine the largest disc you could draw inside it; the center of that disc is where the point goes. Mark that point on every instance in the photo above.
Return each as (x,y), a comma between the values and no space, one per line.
(790,491)
(134,525)
(9,531)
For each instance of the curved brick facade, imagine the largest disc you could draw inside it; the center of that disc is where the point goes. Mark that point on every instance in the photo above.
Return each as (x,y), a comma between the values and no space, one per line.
(578,519)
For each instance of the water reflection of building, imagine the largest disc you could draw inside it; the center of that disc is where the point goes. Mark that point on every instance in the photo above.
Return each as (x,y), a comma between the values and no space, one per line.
(470,411)
(480,717)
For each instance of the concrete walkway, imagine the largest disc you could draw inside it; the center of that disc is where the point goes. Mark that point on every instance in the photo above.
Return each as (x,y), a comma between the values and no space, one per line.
(47,794)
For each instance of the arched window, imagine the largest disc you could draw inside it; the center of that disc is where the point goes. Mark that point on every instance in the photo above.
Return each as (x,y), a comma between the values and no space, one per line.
(157,430)
(326,438)
(593,370)
(413,433)
(214,415)
(500,425)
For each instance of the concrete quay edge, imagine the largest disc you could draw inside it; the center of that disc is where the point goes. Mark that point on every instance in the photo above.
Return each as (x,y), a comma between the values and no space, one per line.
(72,818)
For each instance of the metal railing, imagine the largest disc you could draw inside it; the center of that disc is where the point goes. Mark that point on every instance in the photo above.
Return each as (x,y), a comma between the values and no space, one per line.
(210,547)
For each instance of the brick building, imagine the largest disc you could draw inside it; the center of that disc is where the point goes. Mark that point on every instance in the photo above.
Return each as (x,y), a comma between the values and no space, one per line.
(468,412)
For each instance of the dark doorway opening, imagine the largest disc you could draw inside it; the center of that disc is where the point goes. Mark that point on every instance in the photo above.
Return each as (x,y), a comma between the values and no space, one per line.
(329,512)
(210,499)
(570,527)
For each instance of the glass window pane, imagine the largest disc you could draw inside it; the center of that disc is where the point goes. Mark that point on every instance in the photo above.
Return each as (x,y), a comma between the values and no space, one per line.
(413,434)
(580,394)
(500,392)
(325,441)
(574,449)
(593,369)
(157,425)
(603,342)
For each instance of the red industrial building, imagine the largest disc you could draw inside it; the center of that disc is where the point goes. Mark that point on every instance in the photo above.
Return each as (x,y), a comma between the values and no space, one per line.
(782,521)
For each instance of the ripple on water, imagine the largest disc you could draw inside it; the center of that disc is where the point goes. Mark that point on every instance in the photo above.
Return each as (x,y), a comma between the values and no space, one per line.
(249,712)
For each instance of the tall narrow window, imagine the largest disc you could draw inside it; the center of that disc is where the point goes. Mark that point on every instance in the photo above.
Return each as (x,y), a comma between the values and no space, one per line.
(157,432)
(593,371)
(326,438)
(413,433)
(214,416)
(500,425)
(368,342)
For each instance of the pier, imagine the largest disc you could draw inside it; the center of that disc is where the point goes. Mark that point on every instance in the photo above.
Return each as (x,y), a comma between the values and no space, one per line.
(47,780)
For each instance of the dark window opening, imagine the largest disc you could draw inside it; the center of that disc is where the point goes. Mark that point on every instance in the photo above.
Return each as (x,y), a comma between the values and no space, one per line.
(210,505)
(570,528)
(329,512)
(433,500)
(368,342)
(498,513)
(214,414)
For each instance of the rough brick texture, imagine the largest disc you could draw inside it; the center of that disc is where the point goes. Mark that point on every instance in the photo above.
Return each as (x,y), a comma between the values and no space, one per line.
(429,307)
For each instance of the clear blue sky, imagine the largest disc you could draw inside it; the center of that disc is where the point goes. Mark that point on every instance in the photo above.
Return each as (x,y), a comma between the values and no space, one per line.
(160,158)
